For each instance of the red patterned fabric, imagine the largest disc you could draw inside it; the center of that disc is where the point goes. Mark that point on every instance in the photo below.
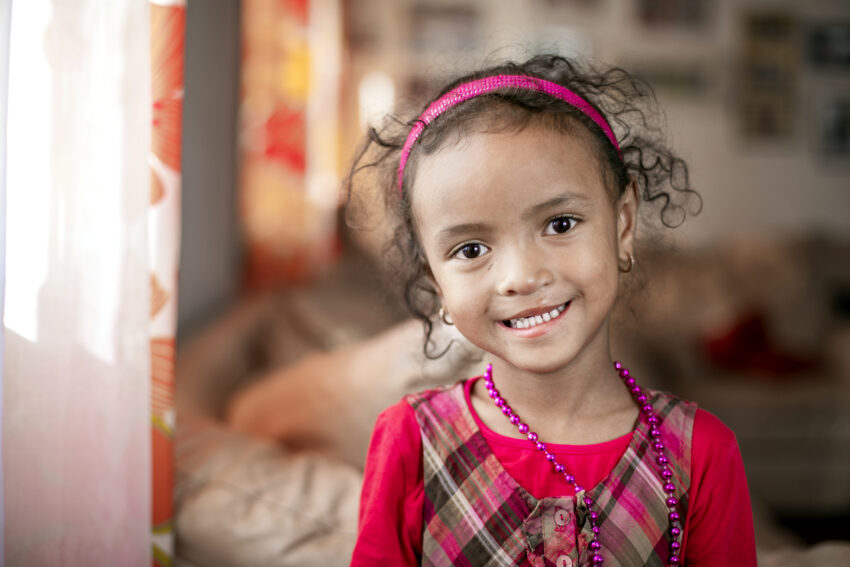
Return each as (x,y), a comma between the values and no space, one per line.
(718,527)
(476,514)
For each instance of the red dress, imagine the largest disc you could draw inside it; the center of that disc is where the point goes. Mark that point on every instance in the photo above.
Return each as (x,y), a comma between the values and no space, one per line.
(718,526)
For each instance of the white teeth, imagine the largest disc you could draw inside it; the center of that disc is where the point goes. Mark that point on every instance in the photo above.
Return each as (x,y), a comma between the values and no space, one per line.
(526,322)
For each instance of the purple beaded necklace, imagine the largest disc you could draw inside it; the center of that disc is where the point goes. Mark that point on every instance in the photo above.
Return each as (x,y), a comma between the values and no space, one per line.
(661,459)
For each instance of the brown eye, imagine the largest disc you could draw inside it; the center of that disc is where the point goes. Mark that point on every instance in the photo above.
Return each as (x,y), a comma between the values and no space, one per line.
(471,251)
(560,225)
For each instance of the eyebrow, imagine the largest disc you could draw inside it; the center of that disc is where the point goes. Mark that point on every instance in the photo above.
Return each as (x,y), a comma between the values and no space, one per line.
(465,228)
(459,229)
(564,199)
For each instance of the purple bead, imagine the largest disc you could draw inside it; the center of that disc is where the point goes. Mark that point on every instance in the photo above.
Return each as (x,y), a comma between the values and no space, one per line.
(675,545)
(652,420)
(570,478)
(532,437)
(624,372)
(595,545)
(669,488)
(595,529)
(578,488)
(641,399)
(666,474)
(671,502)
(507,410)
(593,514)
(523,428)
(654,432)
(674,559)
(662,460)
(631,382)
(550,457)
(559,468)
(597,559)
(658,446)
(617,365)
(674,516)
(647,409)
(636,390)
(515,419)
(494,394)
(540,446)
(675,531)
(499,402)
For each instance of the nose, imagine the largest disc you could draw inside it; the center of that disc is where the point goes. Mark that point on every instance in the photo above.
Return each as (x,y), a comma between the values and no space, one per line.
(523,272)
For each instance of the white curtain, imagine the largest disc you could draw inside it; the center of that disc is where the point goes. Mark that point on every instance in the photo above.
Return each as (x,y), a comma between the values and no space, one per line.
(76,374)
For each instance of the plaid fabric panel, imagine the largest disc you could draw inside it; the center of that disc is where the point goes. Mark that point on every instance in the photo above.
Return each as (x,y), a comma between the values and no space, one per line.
(473,508)
(476,514)
(633,521)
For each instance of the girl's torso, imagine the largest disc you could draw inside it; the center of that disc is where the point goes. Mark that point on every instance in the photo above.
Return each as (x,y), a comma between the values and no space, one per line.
(476,513)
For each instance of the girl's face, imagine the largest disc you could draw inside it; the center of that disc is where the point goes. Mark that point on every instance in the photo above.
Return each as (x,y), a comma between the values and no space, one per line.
(523,242)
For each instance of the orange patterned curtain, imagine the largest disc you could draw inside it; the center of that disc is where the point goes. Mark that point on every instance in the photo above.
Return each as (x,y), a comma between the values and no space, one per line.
(168,26)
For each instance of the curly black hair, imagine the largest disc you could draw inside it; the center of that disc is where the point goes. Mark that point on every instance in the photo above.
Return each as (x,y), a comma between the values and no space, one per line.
(627,102)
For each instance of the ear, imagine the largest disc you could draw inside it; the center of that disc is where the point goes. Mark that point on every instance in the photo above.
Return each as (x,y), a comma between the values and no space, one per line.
(429,277)
(627,210)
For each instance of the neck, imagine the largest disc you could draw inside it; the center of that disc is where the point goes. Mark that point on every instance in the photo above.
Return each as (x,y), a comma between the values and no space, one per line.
(582,403)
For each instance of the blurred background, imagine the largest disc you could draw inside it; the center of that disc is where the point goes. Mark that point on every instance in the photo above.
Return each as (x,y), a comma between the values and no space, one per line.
(222,417)
(749,314)
(756,96)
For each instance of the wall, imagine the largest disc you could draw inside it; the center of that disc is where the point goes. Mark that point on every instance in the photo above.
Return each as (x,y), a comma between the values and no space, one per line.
(781,186)
(209,256)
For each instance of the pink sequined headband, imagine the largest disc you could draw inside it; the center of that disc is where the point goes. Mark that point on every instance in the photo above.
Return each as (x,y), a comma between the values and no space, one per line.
(486,85)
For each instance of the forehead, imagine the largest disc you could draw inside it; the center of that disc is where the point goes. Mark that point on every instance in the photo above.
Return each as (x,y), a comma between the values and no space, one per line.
(499,173)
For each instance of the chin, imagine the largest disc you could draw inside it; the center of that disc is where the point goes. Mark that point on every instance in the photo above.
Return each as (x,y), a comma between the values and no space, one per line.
(536,366)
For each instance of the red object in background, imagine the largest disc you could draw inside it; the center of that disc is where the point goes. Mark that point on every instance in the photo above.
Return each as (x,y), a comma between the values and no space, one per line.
(286,137)
(298,8)
(746,347)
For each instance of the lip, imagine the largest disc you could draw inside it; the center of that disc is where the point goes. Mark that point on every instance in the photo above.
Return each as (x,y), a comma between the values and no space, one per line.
(540,328)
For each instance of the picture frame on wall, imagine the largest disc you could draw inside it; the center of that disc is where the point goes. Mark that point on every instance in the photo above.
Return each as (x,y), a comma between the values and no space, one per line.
(768,75)
(828,46)
(686,14)
(831,113)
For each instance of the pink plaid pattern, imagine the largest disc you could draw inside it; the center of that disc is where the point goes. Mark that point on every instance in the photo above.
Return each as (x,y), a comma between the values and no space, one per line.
(475,513)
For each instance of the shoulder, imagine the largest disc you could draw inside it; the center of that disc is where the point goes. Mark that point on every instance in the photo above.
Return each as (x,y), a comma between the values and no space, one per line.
(396,445)
(711,434)
(398,420)
(714,449)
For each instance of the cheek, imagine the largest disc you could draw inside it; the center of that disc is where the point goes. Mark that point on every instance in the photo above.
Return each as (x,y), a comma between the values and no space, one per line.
(599,272)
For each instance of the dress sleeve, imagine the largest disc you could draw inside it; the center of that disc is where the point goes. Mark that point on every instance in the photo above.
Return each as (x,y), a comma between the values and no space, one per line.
(390,525)
(719,525)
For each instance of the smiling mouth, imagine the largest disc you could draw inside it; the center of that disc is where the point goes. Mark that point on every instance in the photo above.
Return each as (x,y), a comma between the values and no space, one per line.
(534,320)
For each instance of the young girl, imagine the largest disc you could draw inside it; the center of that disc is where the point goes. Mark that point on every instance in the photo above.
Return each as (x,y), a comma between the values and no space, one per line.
(518,191)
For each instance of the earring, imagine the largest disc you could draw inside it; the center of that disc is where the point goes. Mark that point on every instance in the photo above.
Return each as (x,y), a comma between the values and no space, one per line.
(445,317)
(631,265)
